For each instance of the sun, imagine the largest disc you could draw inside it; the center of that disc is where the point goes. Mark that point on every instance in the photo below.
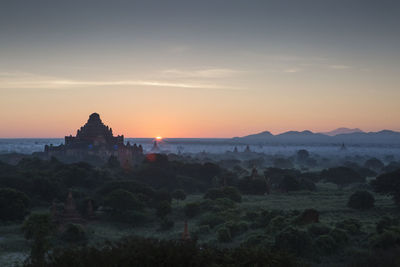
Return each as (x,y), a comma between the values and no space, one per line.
(159,138)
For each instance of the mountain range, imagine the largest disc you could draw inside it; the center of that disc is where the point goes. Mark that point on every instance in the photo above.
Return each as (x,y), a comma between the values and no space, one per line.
(340,135)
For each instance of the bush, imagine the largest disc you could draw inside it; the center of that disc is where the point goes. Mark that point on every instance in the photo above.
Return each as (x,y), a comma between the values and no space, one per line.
(289,183)
(191,209)
(166,225)
(308,216)
(317,229)
(13,204)
(179,195)
(211,220)
(361,200)
(236,228)
(122,201)
(374,164)
(74,233)
(386,240)
(226,192)
(251,185)
(326,244)
(153,252)
(219,204)
(352,226)
(203,230)
(342,176)
(277,223)
(224,235)
(294,241)
(38,227)
(339,236)
(388,183)
(385,223)
(163,209)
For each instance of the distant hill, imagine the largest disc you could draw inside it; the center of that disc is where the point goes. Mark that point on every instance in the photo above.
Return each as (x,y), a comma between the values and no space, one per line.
(344,135)
(343,130)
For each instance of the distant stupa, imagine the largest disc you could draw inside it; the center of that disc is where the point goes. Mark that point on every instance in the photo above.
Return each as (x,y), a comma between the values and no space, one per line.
(185,234)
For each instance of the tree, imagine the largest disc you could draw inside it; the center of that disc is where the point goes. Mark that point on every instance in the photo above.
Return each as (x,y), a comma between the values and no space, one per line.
(179,194)
(163,209)
(191,209)
(374,164)
(38,227)
(13,204)
(226,192)
(342,176)
(282,163)
(361,200)
(74,233)
(121,201)
(388,183)
(302,155)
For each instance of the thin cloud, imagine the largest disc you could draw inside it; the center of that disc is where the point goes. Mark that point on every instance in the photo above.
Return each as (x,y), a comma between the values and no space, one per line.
(10,80)
(201,73)
(292,70)
(340,67)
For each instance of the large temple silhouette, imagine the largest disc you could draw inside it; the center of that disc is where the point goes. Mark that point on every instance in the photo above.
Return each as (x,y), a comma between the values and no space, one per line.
(96,139)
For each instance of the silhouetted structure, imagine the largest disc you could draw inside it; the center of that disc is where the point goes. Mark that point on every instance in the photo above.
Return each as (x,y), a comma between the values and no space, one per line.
(96,139)
(343,147)
(70,214)
(247,150)
(254,173)
(186,235)
(155,147)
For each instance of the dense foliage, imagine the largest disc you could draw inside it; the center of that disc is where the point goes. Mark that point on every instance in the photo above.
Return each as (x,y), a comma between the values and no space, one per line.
(14,205)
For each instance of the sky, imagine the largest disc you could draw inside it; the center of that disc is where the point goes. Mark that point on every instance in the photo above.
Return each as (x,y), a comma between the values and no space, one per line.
(219,68)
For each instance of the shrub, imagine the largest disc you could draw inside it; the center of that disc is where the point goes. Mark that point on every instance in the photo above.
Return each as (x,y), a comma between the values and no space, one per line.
(385,223)
(179,195)
(361,200)
(38,227)
(339,236)
(326,244)
(236,228)
(277,223)
(122,201)
(163,209)
(388,239)
(224,235)
(226,192)
(191,209)
(219,204)
(388,183)
(308,216)
(317,229)
(166,225)
(203,229)
(294,241)
(211,220)
(342,176)
(352,226)
(13,204)
(374,164)
(289,183)
(74,233)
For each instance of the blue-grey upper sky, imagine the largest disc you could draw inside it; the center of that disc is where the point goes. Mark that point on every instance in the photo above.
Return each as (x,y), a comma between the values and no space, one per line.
(254,63)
